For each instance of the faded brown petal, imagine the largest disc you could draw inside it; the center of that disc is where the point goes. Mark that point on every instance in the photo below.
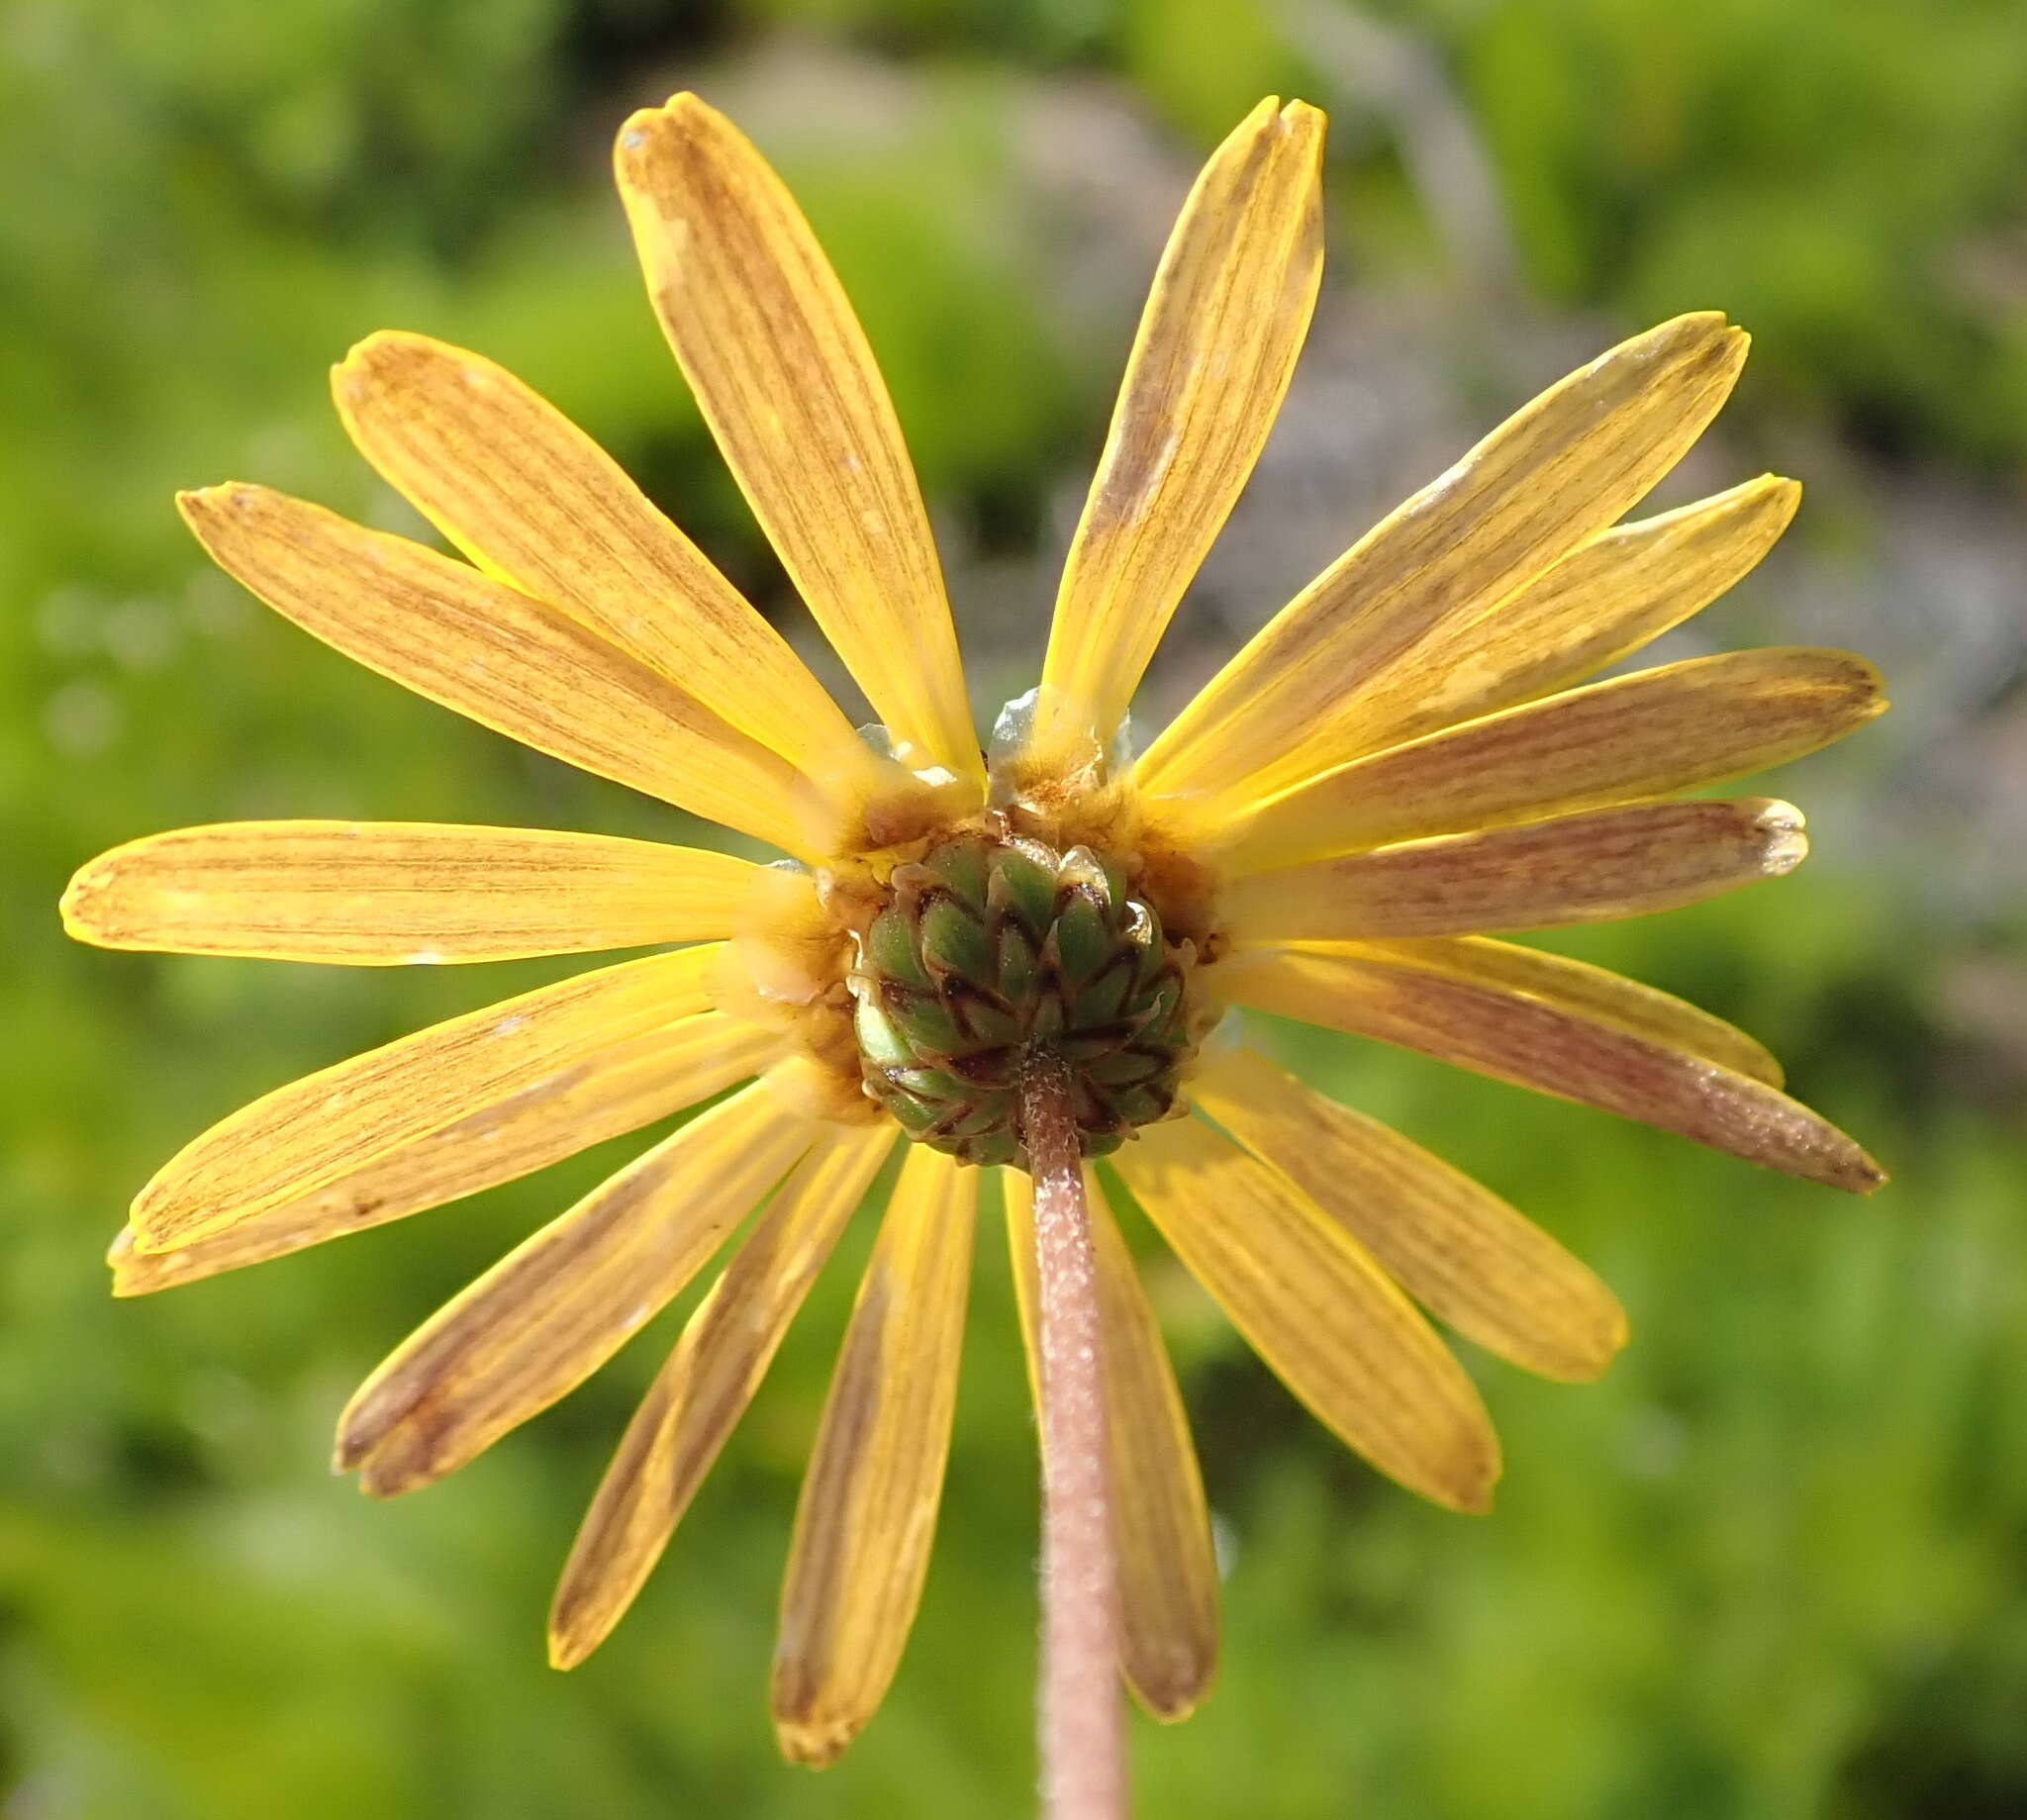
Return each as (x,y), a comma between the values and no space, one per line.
(1373,991)
(1611,863)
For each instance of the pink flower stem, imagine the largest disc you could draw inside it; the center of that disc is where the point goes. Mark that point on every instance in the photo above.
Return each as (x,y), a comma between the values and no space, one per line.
(1082,1715)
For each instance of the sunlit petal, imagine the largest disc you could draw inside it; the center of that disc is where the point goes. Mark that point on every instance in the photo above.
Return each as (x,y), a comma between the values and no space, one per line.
(385,893)
(616,1088)
(787,383)
(1603,601)
(1653,733)
(316,1131)
(1457,1248)
(704,1388)
(553,1311)
(532,498)
(523,668)
(868,1511)
(1216,344)
(1550,477)
(1312,1304)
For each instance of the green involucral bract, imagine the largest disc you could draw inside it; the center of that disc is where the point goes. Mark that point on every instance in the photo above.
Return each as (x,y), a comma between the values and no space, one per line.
(989,948)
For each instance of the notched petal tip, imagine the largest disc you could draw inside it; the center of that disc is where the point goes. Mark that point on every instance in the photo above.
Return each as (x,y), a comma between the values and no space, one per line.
(1698,337)
(680,113)
(1783,827)
(381,353)
(566,1651)
(812,1747)
(127,1283)
(203,508)
(1782,489)
(150,1240)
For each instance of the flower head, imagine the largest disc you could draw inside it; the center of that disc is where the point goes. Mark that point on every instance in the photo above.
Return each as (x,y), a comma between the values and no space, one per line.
(1406,763)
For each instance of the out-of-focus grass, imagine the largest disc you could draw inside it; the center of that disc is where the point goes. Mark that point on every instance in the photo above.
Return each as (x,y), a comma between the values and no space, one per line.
(1769,1566)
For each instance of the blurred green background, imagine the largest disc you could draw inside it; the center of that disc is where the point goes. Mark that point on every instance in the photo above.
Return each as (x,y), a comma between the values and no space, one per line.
(1775,1564)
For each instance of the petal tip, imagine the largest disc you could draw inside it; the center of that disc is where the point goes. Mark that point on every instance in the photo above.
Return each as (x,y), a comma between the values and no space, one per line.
(681,111)
(349,1448)
(149,1239)
(71,905)
(1468,1486)
(565,1650)
(1305,126)
(815,1746)
(203,507)
(1785,831)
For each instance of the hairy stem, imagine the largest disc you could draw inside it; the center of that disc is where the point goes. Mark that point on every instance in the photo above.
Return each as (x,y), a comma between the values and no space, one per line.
(1082,1715)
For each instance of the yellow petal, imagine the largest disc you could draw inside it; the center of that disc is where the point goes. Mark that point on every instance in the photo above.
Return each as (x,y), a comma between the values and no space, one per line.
(1603,601)
(559,1305)
(1223,324)
(511,663)
(532,498)
(328,1125)
(782,371)
(1312,1304)
(1547,479)
(1458,1249)
(1653,734)
(612,1090)
(1168,1570)
(702,1392)
(868,1511)
(1584,991)
(1561,1049)
(1608,863)
(380,894)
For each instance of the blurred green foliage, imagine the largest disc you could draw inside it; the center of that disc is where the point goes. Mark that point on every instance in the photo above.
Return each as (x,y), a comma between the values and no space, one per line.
(1770,1567)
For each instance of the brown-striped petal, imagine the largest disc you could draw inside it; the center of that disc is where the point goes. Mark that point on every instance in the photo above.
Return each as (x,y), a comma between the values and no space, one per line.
(1611,863)
(704,1388)
(316,1131)
(511,663)
(375,894)
(1602,602)
(559,1305)
(868,1511)
(1161,1527)
(1312,1304)
(1457,1248)
(1584,991)
(1550,477)
(612,1090)
(532,498)
(1216,344)
(1391,994)
(1653,733)
(782,371)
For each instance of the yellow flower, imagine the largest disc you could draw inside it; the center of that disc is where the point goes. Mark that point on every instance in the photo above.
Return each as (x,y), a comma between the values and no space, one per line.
(1398,765)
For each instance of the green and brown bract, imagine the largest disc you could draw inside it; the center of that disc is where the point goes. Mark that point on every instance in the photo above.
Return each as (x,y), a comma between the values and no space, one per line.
(989,948)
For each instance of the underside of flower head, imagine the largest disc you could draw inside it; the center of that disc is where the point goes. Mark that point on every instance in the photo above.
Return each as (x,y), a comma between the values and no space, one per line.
(1056,919)
(1406,764)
